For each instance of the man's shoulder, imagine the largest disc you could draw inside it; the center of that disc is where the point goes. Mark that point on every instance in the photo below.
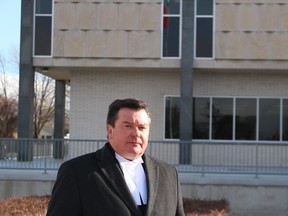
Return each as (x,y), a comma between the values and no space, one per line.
(88,157)
(158,162)
(80,159)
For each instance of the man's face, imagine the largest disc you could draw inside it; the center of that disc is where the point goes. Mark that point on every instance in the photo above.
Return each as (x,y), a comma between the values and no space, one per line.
(129,136)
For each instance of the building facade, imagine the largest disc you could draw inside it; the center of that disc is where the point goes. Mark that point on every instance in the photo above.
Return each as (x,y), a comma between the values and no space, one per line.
(237,72)
(209,70)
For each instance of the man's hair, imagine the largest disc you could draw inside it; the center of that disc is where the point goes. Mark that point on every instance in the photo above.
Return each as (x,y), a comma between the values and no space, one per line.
(130,103)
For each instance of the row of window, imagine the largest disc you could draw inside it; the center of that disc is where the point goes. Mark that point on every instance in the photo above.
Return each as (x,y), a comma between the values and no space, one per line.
(171,28)
(231,118)
(204,28)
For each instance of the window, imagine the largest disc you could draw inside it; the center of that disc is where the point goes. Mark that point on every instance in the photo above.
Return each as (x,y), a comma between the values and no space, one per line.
(245,118)
(285,119)
(204,28)
(222,118)
(171,28)
(43,27)
(231,118)
(172,115)
(201,116)
(269,119)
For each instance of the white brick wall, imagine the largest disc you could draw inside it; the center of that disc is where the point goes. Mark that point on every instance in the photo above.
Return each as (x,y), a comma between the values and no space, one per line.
(92,92)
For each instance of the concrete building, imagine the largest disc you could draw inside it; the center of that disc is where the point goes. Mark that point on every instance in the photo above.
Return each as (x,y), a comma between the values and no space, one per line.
(118,49)
(213,70)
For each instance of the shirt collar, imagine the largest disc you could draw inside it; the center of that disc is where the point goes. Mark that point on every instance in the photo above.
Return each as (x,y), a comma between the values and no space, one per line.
(124,161)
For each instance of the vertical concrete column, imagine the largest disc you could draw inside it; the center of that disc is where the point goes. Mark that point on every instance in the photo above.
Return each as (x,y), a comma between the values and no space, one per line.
(26,83)
(186,104)
(59,120)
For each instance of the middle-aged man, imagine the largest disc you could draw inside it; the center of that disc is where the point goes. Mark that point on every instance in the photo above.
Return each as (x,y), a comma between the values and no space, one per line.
(118,179)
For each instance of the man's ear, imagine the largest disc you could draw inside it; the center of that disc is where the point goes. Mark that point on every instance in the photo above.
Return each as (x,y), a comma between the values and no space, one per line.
(109,131)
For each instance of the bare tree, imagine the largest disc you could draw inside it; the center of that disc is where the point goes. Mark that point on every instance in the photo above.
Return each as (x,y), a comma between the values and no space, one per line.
(8,105)
(43,102)
(3,76)
(8,117)
(43,98)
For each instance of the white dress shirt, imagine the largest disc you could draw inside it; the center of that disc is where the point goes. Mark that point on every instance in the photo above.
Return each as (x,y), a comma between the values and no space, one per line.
(135,178)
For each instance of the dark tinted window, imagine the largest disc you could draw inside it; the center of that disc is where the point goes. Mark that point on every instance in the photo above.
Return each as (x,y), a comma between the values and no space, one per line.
(43,6)
(201,113)
(171,6)
(222,124)
(269,119)
(204,7)
(222,118)
(171,36)
(204,37)
(285,119)
(245,119)
(43,35)
(172,114)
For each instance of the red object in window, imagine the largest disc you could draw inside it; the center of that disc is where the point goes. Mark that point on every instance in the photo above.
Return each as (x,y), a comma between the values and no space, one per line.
(165,19)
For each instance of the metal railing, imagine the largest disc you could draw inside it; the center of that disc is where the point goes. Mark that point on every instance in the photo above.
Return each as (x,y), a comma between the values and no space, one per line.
(267,158)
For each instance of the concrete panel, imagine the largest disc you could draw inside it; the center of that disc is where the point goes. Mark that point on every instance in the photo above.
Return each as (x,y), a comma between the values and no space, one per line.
(226,17)
(283,16)
(64,16)
(129,16)
(138,44)
(269,17)
(150,16)
(95,44)
(58,43)
(235,45)
(117,44)
(279,45)
(246,195)
(23,183)
(24,188)
(107,16)
(257,45)
(155,43)
(248,19)
(74,43)
(86,16)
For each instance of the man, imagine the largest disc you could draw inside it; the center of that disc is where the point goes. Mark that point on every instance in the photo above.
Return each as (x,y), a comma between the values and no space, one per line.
(119,179)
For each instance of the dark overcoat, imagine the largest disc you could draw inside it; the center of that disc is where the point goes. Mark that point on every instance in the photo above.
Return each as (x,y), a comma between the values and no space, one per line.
(94,185)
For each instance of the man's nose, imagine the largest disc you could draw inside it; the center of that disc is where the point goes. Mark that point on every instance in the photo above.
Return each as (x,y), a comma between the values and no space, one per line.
(135,131)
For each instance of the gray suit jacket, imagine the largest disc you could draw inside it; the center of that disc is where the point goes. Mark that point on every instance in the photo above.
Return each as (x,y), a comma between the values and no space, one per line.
(93,185)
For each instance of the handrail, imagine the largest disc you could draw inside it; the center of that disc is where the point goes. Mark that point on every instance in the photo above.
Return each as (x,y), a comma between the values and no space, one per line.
(253,158)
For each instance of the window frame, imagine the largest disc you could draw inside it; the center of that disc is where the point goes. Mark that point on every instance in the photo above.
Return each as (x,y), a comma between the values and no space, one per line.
(234,98)
(35,15)
(180,29)
(213,30)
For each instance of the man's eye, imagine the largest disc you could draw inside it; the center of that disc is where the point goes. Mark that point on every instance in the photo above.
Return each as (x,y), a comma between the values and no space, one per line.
(142,128)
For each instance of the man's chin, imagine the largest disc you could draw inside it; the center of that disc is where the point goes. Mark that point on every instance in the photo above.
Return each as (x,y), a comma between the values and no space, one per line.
(135,153)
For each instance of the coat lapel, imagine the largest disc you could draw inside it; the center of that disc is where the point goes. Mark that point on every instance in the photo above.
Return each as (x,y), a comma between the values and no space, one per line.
(112,171)
(152,177)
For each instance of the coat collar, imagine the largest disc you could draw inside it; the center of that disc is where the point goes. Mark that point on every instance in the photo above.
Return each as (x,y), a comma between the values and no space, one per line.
(111,169)
(113,173)
(152,178)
